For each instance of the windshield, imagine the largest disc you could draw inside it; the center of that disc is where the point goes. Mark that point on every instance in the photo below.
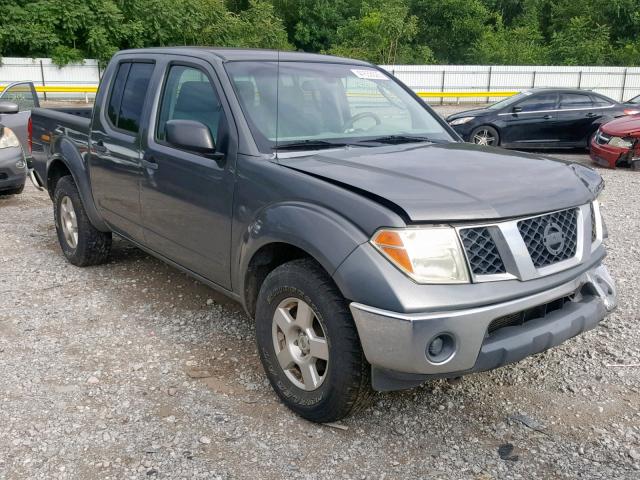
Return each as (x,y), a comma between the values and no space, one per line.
(509,100)
(327,104)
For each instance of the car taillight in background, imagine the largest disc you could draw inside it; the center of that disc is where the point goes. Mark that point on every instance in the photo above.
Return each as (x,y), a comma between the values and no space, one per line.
(30,135)
(631,111)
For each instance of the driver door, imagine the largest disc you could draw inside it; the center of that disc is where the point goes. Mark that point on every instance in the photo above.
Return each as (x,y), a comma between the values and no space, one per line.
(187,197)
(24,94)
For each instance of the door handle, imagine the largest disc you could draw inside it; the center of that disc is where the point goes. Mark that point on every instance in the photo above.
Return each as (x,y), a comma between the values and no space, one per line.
(591,114)
(547,117)
(99,147)
(149,162)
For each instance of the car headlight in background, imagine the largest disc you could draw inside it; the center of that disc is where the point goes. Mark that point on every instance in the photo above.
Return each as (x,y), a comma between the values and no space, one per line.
(631,111)
(8,139)
(620,142)
(427,255)
(461,121)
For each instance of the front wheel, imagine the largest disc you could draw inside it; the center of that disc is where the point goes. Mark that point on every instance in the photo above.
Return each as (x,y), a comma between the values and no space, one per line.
(309,345)
(81,242)
(485,135)
(13,191)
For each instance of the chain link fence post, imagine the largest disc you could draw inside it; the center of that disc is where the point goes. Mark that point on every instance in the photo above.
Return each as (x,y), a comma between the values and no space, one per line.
(42,77)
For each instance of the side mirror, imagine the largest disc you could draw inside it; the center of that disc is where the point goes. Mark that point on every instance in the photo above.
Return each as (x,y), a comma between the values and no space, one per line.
(190,135)
(516,109)
(9,107)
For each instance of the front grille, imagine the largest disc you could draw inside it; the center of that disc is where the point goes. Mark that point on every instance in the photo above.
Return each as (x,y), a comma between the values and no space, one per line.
(551,238)
(602,138)
(522,317)
(482,253)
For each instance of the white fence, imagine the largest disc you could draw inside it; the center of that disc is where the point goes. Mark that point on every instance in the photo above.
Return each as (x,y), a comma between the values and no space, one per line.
(620,83)
(43,73)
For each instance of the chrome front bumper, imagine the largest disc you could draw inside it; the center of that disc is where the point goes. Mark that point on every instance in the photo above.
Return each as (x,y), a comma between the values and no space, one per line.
(397,342)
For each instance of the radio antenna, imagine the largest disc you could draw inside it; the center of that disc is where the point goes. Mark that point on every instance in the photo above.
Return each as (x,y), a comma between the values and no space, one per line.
(277,97)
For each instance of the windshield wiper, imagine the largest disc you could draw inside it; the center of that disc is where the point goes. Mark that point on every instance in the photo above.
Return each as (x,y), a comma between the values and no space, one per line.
(397,139)
(309,145)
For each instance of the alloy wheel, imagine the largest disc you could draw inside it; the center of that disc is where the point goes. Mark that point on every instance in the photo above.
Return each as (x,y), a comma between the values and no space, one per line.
(300,344)
(484,137)
(69,222)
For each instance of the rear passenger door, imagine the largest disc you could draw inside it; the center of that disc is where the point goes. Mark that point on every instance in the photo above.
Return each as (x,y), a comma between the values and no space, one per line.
(115,158)
(576,114)
(187,196)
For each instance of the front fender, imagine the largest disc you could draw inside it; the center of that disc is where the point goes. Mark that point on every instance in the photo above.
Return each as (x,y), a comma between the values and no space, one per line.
(322,233)
(71,155)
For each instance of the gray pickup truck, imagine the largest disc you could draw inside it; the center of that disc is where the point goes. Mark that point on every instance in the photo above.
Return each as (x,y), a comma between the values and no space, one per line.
(374,249)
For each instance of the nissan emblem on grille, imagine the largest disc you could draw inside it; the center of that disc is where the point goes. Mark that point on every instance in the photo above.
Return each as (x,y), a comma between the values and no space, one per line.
(553,238)
(550,238)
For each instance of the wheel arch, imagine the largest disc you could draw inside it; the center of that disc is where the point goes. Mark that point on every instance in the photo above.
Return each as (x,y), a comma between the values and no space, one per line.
(289,231)
(67,160)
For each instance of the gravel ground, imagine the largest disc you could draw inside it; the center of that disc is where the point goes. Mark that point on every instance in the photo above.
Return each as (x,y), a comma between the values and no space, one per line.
(134,370)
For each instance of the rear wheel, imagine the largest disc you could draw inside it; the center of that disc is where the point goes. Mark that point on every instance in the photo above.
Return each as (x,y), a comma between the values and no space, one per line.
(485,135)
(309,345)
(81,242)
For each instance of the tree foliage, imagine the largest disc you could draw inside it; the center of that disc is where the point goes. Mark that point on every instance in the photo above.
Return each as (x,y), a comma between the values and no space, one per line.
(565,32)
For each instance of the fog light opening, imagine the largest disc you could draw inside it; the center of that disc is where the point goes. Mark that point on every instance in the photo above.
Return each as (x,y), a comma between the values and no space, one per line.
(441,348)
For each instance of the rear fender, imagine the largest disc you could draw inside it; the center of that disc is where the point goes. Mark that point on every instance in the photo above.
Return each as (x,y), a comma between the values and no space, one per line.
(73,157)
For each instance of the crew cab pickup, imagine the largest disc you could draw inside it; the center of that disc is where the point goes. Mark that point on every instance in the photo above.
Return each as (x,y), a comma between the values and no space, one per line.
(374,249)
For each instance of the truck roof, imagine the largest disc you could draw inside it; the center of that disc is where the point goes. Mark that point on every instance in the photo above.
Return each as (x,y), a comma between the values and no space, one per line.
(246,54)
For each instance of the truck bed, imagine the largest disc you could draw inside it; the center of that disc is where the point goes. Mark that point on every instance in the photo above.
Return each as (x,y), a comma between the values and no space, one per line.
(78,117)
(50,125)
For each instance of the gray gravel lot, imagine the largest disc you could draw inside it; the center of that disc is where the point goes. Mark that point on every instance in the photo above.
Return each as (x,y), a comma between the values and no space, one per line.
(134,370)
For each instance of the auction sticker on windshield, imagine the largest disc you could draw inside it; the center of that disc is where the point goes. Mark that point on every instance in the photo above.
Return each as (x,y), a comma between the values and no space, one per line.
(369,74)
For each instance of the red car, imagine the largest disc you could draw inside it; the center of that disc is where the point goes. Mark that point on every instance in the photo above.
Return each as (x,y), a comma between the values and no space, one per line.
(617,143)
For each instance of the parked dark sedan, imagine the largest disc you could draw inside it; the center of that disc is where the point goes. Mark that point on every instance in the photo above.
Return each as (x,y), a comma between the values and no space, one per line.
(539,118)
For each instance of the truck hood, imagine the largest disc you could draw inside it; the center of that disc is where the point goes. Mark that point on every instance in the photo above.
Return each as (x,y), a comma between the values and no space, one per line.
(454,181)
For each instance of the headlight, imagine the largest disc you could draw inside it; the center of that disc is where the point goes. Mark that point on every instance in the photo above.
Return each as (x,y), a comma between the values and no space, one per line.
(8,139)
(620,142)
(427,255)
(460,121)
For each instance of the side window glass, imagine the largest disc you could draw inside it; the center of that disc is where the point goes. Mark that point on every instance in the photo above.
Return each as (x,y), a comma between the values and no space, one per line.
(20,94)
(600,102)
(133,96)
(116,93)
(189,95)
(575,100)
(539,102)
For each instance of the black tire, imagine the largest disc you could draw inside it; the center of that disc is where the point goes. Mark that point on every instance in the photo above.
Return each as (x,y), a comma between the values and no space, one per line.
(346,387)
(93,246)
(13,191)
(490,131)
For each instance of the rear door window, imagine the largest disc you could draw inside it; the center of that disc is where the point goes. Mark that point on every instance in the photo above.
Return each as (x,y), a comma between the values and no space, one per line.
(600,101)
(128,95)
(575,100)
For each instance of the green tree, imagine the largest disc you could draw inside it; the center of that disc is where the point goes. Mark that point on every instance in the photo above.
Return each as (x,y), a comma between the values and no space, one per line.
(70,30)
(519,45)
(384,34)
(450,27)
(581,42)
